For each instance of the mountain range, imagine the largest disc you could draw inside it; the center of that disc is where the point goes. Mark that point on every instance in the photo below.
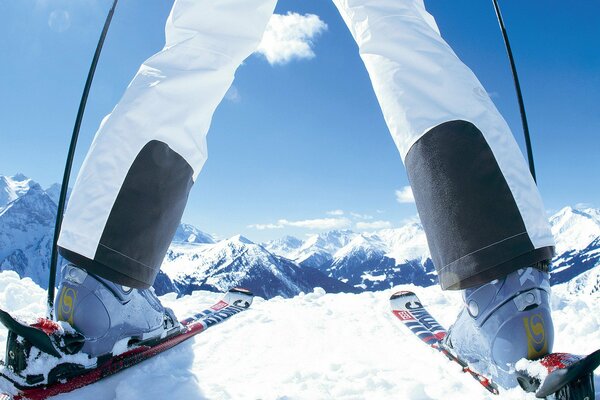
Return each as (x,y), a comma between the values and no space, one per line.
(337,261)
(194,261)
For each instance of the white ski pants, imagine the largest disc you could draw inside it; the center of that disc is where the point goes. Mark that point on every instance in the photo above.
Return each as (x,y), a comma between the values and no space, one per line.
(480,208)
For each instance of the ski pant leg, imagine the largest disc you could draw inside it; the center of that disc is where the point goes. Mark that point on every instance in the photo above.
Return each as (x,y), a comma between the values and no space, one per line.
(479,206)
(132,188)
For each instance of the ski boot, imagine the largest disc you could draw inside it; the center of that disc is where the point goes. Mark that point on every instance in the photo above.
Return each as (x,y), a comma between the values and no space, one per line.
(502,322)
(111,317)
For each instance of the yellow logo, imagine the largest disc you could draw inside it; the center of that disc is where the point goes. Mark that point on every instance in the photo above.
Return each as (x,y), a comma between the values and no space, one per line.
(66,305)
(537,344)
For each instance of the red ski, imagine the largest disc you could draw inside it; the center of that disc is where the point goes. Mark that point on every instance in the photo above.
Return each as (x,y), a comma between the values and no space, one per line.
(407,307)
(66,375)
(569,377)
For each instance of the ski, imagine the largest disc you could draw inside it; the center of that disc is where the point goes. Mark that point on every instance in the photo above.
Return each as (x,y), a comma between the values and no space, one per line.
(407,307)
(46,342)
(565,376)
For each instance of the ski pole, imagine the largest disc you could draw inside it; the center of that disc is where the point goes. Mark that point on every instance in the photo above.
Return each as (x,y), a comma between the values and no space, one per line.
(518,90)
(69,163)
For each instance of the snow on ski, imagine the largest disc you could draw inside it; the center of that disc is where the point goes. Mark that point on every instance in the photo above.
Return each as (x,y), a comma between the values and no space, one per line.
(564,375)
(407,307)
(16,387)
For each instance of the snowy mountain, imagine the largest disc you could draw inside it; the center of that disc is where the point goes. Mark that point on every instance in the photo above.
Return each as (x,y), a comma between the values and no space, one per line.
(13,187)
(287,245)
(407,242)
(190,234)
(572,263)
(575,229)
(378,260)
(27,217)
(577,234)
(351,261)
(26,230)
(369,261)
(314,252)
(239,262)
(366,262)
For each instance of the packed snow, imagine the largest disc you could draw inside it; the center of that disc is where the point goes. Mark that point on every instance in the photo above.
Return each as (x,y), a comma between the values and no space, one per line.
(313,346)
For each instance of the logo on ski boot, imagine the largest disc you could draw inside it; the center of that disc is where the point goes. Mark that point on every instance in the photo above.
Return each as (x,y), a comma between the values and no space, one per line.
(537,344)
(66,305)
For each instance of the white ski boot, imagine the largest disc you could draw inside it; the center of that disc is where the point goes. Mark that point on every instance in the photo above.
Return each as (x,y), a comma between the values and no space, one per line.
(502,322)
(110,316)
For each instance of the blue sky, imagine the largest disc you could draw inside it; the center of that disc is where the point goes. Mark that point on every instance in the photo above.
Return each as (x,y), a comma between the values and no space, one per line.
(302,145)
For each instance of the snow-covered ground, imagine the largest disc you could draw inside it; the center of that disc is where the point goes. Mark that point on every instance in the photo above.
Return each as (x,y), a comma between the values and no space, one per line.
(313,346)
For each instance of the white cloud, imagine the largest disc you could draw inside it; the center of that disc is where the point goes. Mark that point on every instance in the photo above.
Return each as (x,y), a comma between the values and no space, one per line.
(405,195)
(289,37)
(316,223)
(262,227)
(335,212)
(59,20)
(373,225)
(361,216)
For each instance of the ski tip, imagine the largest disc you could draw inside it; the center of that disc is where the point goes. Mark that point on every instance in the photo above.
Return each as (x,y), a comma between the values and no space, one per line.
(241,290)
(402,293)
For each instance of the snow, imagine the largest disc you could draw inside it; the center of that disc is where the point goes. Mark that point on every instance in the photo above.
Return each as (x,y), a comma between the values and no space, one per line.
(187,233)
(13,187)
(361,243)
(406,243)
(313,346)
(370,277)
(587,283)
(575,229)
(402,244)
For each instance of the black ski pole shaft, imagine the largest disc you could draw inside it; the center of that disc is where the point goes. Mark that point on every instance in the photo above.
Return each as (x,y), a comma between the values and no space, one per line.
(69,163)
(518,90)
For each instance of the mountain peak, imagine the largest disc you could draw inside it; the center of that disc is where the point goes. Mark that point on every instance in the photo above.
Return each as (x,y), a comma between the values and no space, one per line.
(241,239)
(190,234)
(13,187)
(574,228)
